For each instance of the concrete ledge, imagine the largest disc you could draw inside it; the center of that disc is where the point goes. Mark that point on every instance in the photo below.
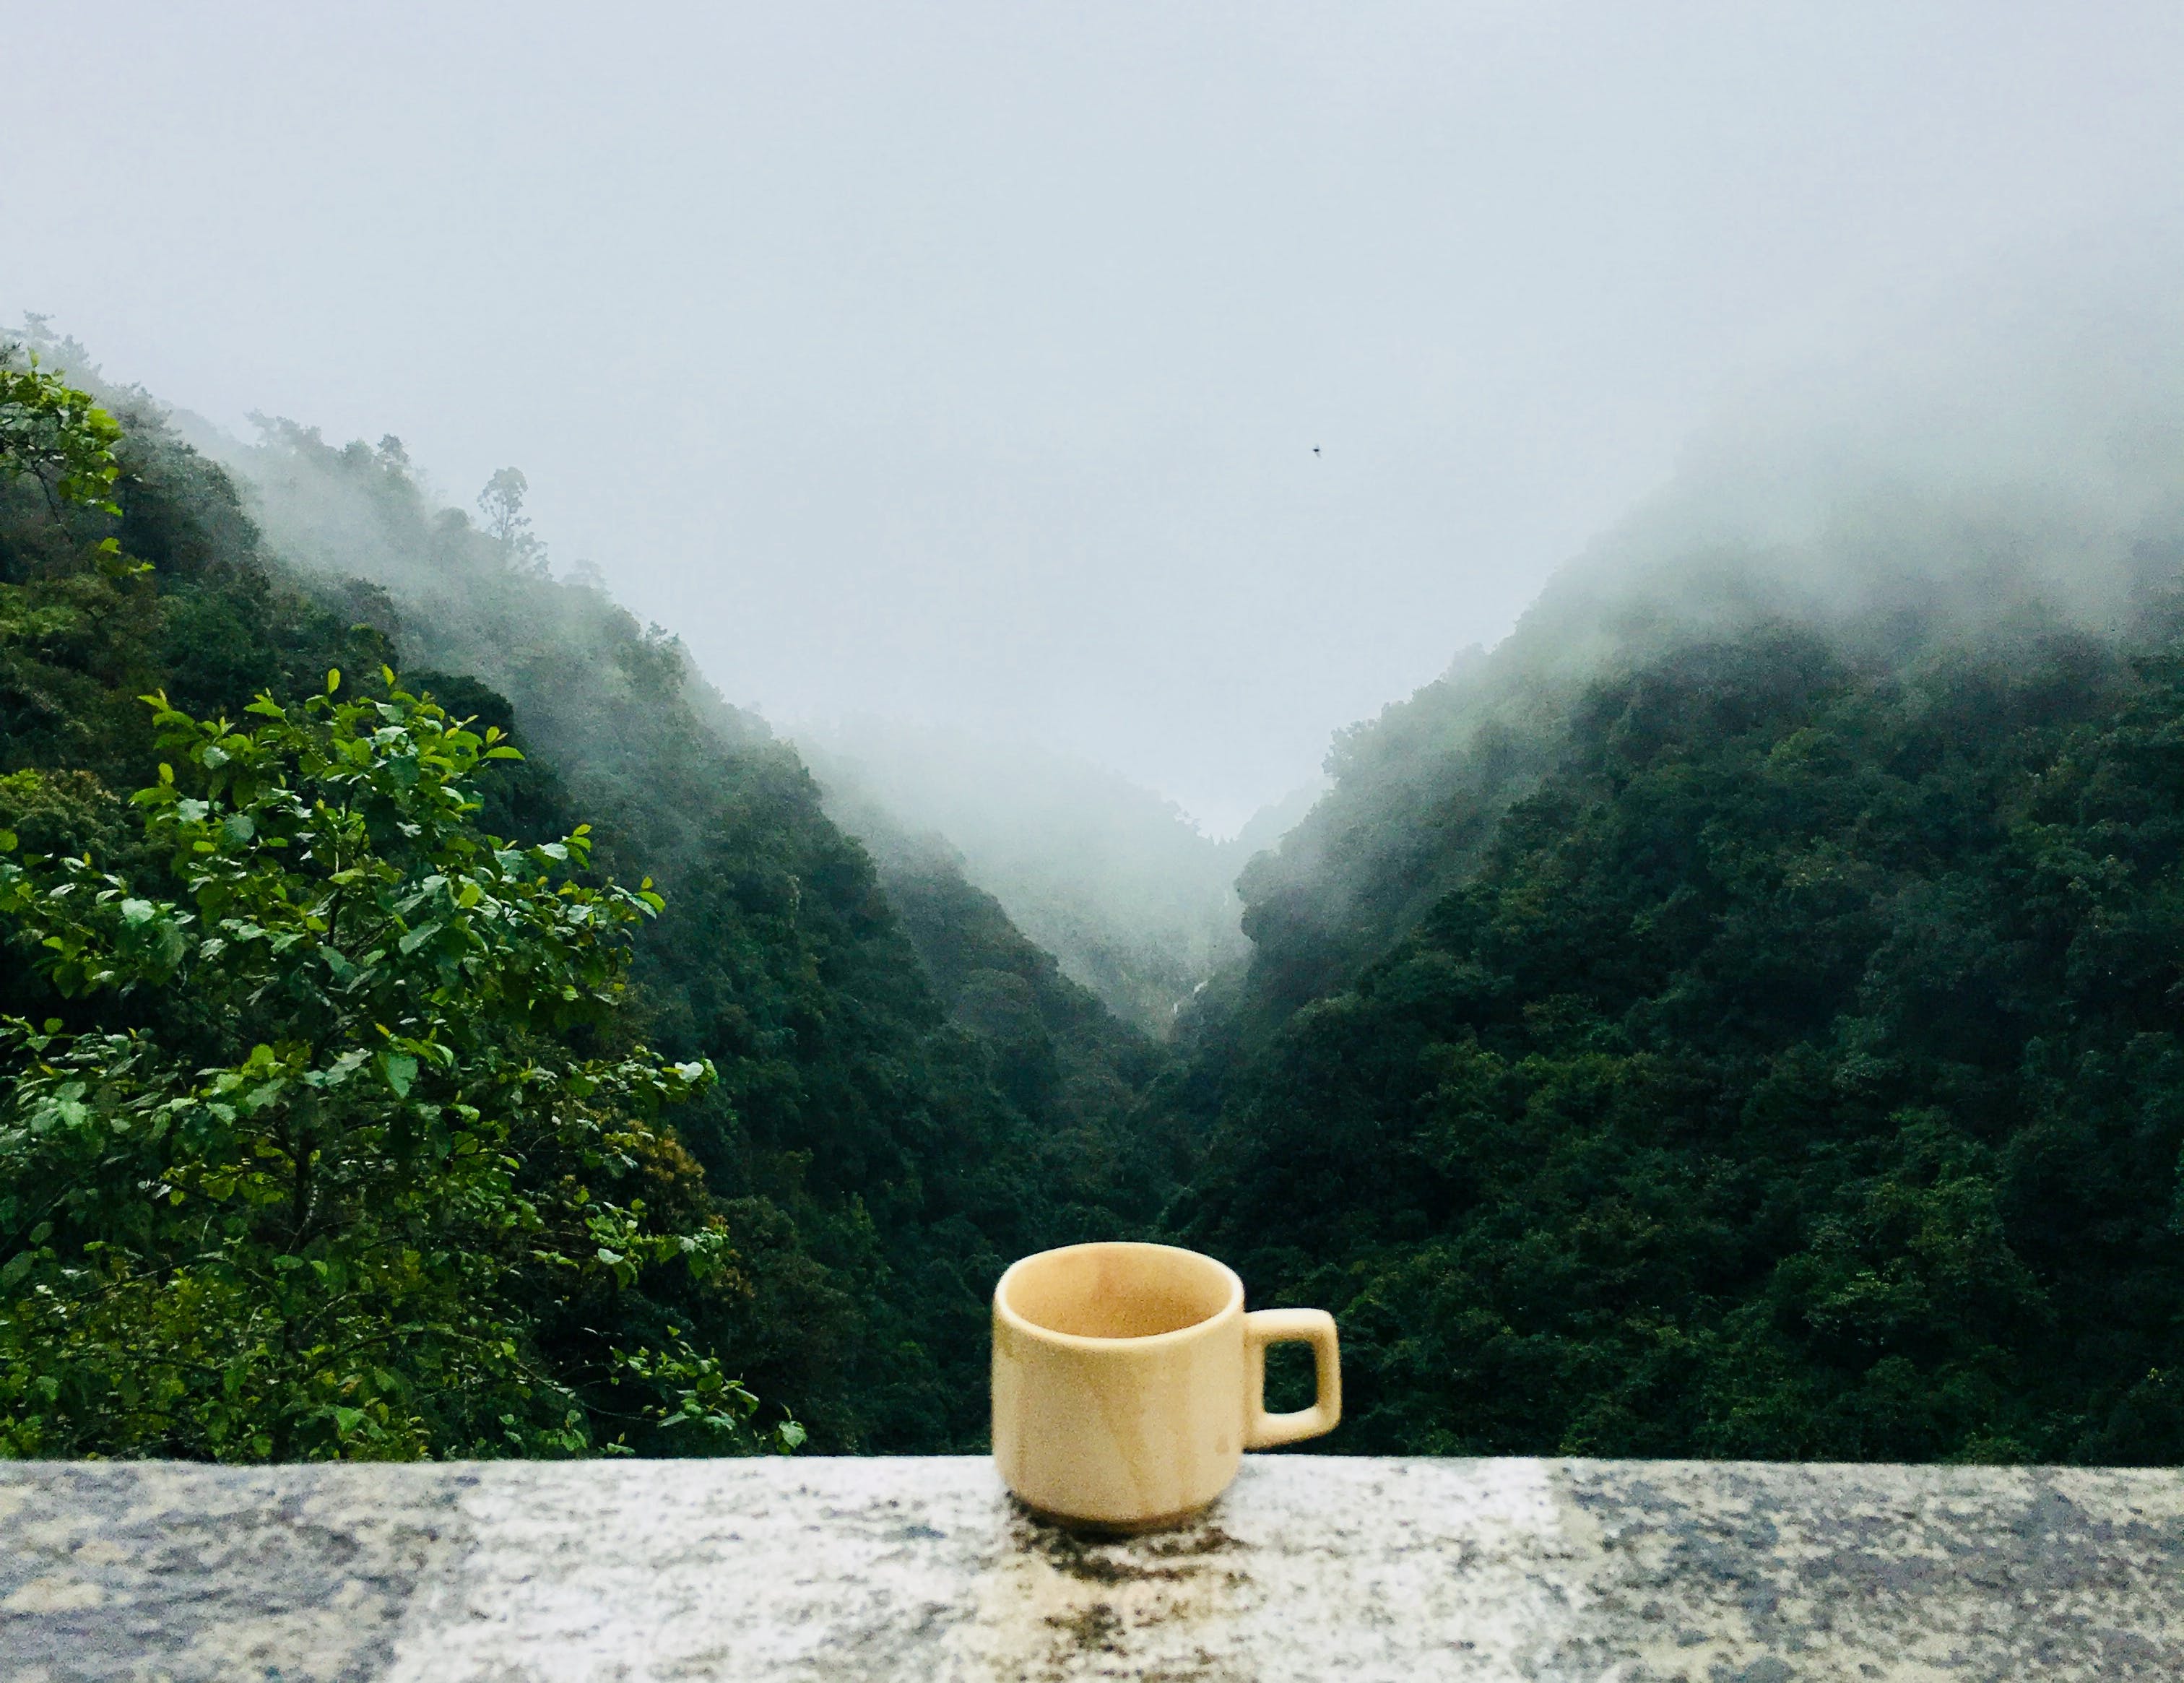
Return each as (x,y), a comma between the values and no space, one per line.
(1312,1568)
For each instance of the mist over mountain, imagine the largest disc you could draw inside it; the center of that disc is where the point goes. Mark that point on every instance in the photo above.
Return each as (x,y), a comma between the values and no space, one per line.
(1736,1014)
(1136,902)
(1166,385)
(1117,883)
(892,1090)
(2012,465)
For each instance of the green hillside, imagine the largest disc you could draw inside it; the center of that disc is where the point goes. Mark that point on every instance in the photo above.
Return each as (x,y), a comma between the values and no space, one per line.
(872,1161)
(1775,1055)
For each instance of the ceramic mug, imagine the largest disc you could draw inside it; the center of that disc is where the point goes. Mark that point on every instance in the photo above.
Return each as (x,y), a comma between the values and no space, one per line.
(1128,1382)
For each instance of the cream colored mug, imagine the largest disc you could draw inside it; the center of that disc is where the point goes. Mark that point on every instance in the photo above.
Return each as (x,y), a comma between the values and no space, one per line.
(1128,1382)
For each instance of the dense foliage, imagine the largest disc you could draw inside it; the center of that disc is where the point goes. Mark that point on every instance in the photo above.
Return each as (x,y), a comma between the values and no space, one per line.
(344,1195)
(1796,1072)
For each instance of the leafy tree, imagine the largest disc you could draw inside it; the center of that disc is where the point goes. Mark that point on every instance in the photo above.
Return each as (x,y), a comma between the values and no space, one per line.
(345,1199)
(58,437)
(501,504)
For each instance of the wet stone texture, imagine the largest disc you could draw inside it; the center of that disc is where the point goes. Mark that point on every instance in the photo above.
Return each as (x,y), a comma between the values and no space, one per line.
(1311,1567)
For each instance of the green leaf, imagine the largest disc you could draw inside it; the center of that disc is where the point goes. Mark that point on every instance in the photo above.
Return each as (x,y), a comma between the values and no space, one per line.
(400,1070)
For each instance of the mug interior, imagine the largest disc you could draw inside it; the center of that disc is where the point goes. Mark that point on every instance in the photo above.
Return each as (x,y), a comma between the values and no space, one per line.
(1118,1290)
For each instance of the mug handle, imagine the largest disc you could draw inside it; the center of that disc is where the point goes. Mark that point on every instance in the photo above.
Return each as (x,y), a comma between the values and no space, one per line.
(1315,1327)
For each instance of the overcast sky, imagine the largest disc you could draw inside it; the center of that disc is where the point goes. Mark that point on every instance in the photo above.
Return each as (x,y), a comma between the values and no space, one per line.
(1173,383)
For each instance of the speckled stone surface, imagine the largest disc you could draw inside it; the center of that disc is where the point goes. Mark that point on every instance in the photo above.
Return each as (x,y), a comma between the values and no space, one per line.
(1312,1568)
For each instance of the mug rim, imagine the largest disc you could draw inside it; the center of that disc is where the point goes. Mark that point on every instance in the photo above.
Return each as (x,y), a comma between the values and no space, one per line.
(1234,1305)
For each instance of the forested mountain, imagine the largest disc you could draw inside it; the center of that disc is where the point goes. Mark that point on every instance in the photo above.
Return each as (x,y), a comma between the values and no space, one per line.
(1797,1074)
(1739,1015)
(872,1159)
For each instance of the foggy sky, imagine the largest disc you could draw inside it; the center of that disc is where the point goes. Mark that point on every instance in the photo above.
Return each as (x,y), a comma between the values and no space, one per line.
(965,362)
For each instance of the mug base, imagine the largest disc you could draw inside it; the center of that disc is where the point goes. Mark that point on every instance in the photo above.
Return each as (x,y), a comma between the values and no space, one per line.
(1114,1528)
